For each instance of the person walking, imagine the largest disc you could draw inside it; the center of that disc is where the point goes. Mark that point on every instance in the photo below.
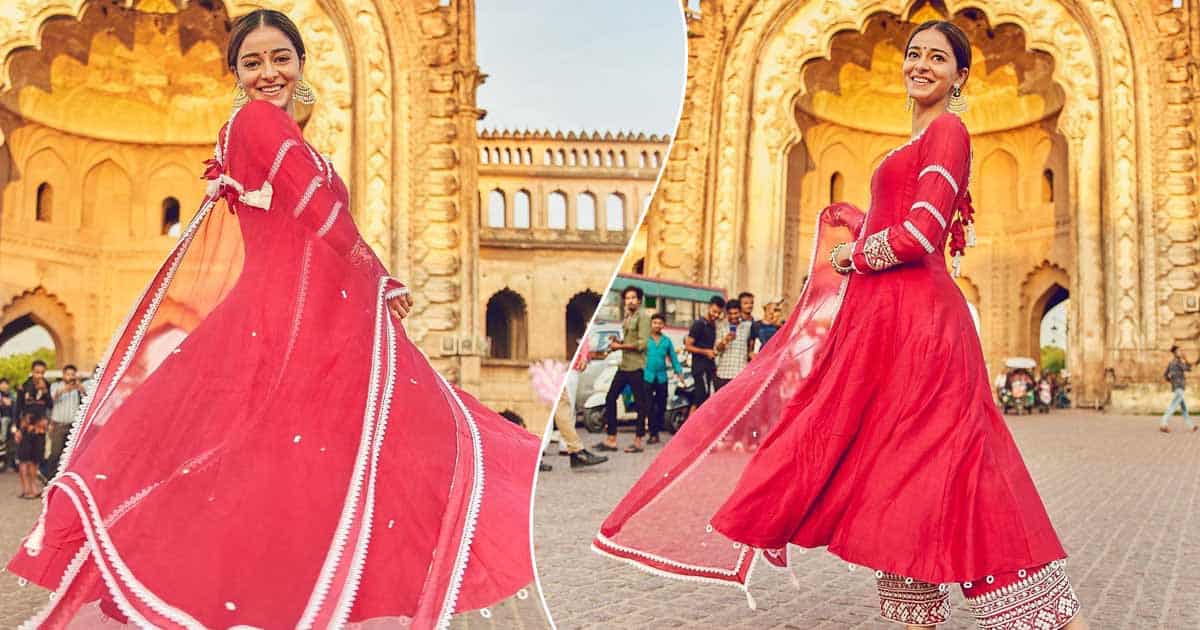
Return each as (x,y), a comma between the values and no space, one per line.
(1175,374)
(701,343)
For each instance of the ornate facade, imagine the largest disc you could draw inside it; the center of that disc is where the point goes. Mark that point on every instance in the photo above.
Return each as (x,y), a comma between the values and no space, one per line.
(555,212)
(1083,116)
(109,107)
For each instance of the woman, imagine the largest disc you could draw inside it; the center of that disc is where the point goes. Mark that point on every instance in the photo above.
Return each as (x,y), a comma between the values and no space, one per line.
(881,441)
(263,446)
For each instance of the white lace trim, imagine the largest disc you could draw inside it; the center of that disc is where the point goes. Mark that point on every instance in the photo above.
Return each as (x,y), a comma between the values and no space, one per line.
(932,210)
(307,197)
(110,552)
(337,546)
(468,535)
(395,293)
(328,224)
(940,170)
(737,567)
(350,590)
(912,229)
(287,145)
(668,574)
(68,577)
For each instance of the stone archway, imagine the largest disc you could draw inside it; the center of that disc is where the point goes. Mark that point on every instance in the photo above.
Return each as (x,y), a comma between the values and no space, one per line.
(38,307)
(1042,289)
(753,76)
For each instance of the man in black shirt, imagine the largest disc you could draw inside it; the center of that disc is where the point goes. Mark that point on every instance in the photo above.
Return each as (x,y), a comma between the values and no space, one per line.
(746,301)
(701,338)
(35,393)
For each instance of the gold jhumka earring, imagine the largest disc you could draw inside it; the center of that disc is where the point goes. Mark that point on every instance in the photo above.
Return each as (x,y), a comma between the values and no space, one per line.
(957,102)
(240,98)
(908,104)
(304,93)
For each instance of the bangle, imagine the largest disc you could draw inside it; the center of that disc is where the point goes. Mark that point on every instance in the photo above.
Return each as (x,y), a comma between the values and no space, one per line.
(833,256)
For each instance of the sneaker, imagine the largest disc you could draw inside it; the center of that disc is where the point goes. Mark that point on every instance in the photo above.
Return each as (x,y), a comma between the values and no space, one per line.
(585,458)
(544,467)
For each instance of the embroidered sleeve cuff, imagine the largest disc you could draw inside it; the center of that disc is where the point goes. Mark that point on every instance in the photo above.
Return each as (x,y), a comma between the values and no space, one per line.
(877,253)
(395,289)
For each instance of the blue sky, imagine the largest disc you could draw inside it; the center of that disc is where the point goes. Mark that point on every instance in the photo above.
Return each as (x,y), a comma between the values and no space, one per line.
(615,65)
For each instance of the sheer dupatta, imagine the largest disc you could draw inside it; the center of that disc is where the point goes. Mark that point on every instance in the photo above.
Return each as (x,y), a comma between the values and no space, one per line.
(662,525)
(263,446)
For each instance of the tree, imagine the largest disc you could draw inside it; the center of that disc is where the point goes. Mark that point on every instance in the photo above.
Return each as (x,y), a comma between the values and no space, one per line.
(15,367)
(1054,359)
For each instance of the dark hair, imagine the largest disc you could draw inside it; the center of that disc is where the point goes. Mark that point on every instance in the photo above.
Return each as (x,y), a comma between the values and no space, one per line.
(1173,349)
(718,300)
(3,380)
(257,19)
(745,294)
(635,289)
(658,316)
(959,44)
(36,363)
(732,305)
(70,367)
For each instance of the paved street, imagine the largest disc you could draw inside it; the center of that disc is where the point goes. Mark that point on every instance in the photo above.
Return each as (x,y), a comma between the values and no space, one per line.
(1124,497)
(16,519)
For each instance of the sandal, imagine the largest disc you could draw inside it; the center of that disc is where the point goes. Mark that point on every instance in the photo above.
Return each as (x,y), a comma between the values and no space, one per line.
(634,448)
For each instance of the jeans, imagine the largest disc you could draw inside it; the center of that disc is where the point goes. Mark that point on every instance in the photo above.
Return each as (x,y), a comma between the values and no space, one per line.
(1178,402)
(635,381)
(657,392)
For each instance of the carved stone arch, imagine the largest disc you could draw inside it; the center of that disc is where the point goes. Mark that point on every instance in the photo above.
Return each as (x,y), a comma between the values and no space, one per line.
(1043,285)
(39,307)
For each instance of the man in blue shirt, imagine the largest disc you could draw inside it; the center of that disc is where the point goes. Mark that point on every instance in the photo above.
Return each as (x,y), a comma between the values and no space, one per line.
(660,353)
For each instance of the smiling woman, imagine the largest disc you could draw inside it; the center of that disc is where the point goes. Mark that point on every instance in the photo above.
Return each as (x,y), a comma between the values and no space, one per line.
(307,467)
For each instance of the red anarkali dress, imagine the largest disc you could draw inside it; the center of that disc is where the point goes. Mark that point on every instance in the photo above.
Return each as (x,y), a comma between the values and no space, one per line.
(264,447)
(866,425)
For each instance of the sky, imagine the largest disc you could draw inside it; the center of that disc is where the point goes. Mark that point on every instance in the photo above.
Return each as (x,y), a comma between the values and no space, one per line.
(612,66)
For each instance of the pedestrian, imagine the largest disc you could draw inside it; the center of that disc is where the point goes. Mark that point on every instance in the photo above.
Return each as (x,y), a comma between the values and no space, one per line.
(564,420)
(746,300)
(31,452)
(700,342)
(66,394)
(733,349)
(635,331)
(8,414)
(660,353)
(768,325)
(1175,375)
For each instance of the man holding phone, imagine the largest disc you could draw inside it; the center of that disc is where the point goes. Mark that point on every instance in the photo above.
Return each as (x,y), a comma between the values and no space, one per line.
(733,348)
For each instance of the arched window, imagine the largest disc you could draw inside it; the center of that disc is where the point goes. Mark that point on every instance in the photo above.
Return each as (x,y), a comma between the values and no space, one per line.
(609,159)
(170,216)
(548,159)
(561,158)
(1048,186)
(496,209)
(556,210)
(483,156)
(614,212)
(642,160)
(597,160)
(657,159)
(573,158)
(621,161)
(506,325)
(837,187)
(529,156)
(579,313)
(45,202)
(645,203)
(506,157)
(585,211)
(521,209)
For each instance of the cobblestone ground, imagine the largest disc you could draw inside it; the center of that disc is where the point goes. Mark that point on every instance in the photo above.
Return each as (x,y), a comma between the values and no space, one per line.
(17,603)
(1124,498)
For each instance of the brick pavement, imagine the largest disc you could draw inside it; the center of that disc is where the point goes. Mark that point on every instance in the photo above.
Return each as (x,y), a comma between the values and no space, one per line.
(17,603)
(1124,498)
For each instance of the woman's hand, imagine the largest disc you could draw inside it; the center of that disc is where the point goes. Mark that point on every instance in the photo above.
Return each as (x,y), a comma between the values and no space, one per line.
(400,305)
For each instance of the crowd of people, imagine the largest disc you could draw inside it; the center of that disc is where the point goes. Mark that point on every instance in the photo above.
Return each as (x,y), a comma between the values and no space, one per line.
(720,344)
(1020,391)
(36,418)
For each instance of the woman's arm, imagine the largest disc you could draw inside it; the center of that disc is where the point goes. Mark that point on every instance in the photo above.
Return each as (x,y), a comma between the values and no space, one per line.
(944,158)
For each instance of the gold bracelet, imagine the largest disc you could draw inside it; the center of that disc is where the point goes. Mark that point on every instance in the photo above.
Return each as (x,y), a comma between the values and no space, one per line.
(833,256)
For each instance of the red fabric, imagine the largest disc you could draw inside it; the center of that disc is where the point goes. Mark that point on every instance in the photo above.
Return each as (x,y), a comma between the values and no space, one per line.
(265,446)
(865,425)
